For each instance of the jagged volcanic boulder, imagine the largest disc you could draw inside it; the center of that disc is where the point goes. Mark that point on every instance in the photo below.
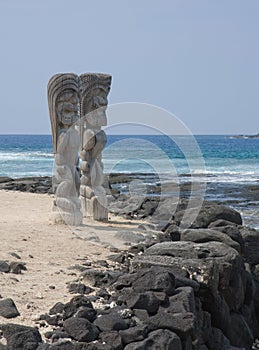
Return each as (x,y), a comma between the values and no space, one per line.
(160,339)
(209,213)
(203,235)
(20,337)
(251,245)
(225,290)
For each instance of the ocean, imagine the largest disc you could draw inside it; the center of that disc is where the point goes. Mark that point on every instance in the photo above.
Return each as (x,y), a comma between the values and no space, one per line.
(229,166)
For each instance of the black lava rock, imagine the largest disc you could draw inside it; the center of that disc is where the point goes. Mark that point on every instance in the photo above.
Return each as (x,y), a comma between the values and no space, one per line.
(86,312)
(110,322)
(81,329)
(99,278)
(4,266)
(79,288)
(154,279)
(133,334)
(111,338)
(147,301)
(21,337)
(161,339)
(57,308)
(182,324)
(8,308)
(74,304)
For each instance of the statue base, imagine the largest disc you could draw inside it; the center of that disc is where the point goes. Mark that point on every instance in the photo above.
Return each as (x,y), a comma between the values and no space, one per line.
(93,209)
(67,218)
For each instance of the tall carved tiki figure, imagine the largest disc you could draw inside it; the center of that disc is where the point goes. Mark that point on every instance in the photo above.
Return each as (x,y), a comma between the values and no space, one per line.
(64,106)
(95,89)
(77,107)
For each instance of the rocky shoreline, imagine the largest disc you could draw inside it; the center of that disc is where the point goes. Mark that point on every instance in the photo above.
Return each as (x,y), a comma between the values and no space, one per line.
(195,288)
(37,184)
(242,197)
(256,136)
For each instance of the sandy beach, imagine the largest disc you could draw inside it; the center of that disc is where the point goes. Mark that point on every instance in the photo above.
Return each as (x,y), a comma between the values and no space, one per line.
(49,251)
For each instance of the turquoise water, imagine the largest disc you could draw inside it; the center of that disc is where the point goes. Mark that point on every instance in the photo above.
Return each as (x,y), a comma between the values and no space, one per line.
(228,166)
(25,155)
(226,159)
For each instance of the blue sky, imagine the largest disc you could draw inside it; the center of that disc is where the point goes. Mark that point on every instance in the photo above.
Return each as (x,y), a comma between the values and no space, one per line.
(197,59)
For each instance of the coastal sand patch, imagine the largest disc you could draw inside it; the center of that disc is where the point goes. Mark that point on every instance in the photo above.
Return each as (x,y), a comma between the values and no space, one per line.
(48,251)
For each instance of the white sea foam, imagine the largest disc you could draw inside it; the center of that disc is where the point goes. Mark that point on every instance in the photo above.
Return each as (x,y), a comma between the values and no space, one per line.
(14,155)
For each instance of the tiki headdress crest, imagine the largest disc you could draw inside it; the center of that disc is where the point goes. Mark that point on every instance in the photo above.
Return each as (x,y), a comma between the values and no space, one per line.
(57,86)
(91,83)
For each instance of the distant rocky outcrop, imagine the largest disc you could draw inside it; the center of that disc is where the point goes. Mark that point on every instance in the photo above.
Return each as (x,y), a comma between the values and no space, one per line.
(256,136)
(37,184)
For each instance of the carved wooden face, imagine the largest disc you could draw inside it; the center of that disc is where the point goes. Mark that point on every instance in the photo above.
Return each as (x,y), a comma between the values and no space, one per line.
(95,105)
(99,98)
(98,115)
(68,108)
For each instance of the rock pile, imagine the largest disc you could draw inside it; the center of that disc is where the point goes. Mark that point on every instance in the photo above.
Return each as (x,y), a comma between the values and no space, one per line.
(200,291)
(197,288)
(40,184)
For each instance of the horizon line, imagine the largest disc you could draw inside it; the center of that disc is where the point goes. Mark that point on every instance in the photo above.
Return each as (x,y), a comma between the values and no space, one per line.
(138,134)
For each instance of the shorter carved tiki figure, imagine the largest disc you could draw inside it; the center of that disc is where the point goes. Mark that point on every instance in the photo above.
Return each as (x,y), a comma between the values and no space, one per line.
(95,89)
(64,102)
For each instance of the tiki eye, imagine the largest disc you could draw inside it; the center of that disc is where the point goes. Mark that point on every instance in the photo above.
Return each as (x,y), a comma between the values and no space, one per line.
(67,110)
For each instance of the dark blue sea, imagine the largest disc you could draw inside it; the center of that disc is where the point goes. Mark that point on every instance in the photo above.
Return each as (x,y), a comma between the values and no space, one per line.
(228,165)
(226,158)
